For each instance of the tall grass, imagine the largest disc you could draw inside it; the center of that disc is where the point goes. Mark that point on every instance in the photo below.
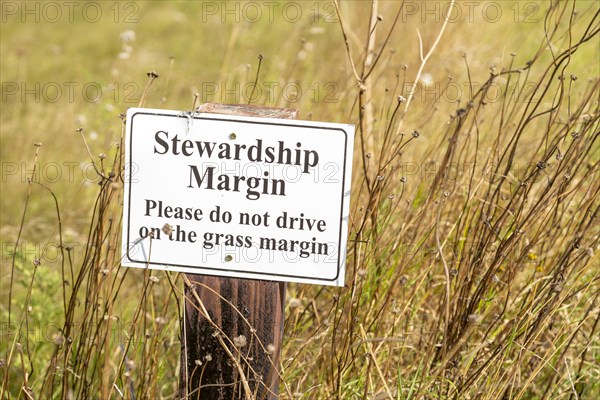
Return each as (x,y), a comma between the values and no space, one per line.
(473,267)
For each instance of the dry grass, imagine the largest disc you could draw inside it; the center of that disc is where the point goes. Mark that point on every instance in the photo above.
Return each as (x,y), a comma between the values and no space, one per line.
(473,267)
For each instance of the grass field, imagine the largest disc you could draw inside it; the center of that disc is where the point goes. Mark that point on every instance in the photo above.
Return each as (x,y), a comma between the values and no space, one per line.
(473,267)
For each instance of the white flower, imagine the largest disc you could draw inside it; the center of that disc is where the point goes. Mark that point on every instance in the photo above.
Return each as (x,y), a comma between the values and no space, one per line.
(426,79)
(127,36)
(240,341)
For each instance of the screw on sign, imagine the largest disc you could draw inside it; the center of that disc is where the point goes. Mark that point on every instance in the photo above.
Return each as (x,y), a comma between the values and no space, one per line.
(230,195)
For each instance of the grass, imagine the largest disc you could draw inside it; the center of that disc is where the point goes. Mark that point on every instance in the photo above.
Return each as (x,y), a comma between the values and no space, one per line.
(473,267)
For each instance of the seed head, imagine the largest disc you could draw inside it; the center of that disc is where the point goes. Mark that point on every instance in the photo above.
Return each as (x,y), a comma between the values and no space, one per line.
(240,341)
(167,229)
(556,288)
(295,303)
(473,318)
(58,339)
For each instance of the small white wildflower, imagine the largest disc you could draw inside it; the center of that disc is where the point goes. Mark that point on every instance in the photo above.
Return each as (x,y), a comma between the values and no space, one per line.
(426,79)
(240,341)
(127,36)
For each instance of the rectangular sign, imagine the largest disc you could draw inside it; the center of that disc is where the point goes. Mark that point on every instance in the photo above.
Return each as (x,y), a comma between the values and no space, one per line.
(245,197)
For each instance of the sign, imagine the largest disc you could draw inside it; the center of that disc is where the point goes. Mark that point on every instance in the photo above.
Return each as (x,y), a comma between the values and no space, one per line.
(245,197)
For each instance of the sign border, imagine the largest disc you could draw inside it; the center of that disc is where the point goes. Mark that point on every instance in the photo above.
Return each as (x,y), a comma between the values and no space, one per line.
(218,117)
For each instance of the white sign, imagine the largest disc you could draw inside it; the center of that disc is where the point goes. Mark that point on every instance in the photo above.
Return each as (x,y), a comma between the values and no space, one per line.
(256,198)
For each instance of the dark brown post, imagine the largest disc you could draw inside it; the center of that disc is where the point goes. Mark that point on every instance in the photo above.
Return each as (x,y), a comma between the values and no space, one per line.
(245,325)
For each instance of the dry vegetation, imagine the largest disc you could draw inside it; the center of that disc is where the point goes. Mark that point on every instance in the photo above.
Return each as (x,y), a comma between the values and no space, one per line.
(473,266)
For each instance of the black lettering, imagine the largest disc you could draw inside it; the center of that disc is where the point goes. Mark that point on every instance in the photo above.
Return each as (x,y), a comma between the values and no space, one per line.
(224,149)
(150,204)
(269,154)
(196,175)
(255,148)
(186,146)
(205,147)
(161,142)
(268,244)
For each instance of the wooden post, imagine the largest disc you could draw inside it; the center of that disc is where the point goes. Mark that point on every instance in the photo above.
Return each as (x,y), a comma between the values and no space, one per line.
(207,368)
